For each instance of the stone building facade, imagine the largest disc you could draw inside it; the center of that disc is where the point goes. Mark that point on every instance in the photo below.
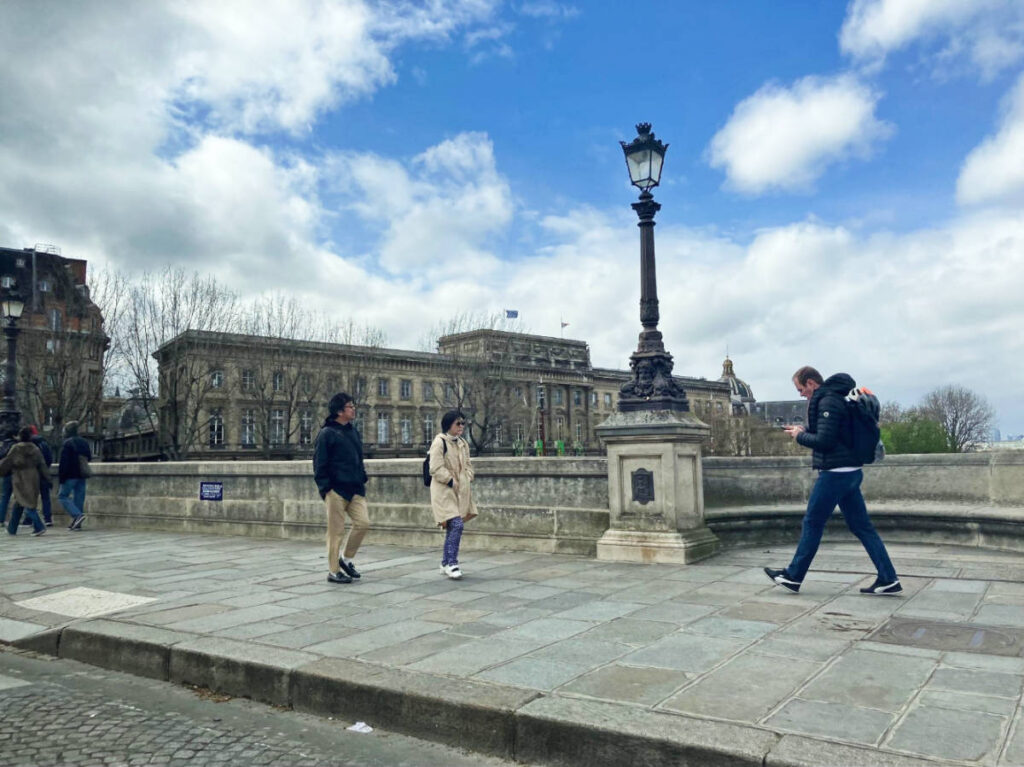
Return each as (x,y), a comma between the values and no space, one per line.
(61,344)
(255,397)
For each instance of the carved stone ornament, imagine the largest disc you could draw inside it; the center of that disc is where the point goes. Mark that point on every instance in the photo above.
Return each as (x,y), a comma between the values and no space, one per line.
(643,486)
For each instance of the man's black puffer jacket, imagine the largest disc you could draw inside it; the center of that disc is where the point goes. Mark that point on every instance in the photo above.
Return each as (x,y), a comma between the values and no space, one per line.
(829,429)
(338,460)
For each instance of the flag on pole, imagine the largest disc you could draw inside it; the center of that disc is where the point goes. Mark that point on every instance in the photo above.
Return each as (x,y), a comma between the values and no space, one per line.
(511,314)
(565,324)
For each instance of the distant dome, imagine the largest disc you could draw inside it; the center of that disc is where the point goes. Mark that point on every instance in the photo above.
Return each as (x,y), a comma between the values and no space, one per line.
(740,393)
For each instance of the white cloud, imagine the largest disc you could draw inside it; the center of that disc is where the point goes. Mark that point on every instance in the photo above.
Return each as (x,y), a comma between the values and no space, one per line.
(438,214)
(784,138)
(989,32)
(994,171)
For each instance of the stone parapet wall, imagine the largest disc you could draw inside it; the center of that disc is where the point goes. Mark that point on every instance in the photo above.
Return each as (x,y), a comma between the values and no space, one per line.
(561,504)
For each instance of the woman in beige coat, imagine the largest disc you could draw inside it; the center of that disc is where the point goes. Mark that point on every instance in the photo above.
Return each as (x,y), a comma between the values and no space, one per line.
(451,499)
(25,463)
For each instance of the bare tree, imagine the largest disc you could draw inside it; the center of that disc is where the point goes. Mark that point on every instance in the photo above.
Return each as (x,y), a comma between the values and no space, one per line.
(965,416)
(892,412)
(161,309)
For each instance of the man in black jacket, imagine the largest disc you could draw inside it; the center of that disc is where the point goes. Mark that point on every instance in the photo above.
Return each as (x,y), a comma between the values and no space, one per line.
(72,472)
(341,480)
(829,434)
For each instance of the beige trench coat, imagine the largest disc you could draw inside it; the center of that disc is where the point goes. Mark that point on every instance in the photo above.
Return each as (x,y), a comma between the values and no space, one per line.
(25,463)
(450,502)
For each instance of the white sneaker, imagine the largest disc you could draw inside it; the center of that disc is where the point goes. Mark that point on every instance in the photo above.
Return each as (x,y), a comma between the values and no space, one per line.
(452,571)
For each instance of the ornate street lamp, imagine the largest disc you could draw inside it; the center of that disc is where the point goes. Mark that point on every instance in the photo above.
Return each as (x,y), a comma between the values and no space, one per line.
(652,387)
(11,307)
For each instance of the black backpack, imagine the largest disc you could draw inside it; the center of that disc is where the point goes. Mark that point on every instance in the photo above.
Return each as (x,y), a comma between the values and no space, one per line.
(866,441)
(426,463)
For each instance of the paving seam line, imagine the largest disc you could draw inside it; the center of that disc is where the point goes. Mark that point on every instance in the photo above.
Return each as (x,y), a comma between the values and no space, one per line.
(499,720)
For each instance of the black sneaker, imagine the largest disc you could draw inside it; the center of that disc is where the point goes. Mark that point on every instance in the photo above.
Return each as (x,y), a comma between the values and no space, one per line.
(349,568)
(780,577)
(338,578)
(49,523)
(39,532)
(880,587)
(76,523)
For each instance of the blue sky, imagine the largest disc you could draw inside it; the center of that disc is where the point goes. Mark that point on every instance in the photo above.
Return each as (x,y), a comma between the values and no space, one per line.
(843,185)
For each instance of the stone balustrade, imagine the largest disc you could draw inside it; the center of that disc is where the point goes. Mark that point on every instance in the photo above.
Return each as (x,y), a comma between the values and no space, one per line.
(561,504)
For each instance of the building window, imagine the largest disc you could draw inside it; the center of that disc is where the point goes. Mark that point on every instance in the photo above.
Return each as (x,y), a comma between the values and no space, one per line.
(383,428)
(306,427)
(44,286)
(216,427)
(498,434)
(405,389)
(449,393)
(248,431)
(7,281)
(56,321)
(718,407)
(406,428)
(332,386)
(217,379)
(49,417)
(277,427)
(607,399)
(517,394)
(540,396)
(577,397)
(520,433)
(383,387)
(20,263)
(306,383)
(579,431)
(360,387)
(248,380)
(53,345)
(277,381)
(428,391)
(428,427)
(557,396)
(560,427)
(593,398)
(51,380)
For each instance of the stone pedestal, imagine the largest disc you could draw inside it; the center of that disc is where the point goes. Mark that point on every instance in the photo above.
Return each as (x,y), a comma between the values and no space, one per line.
(655,489)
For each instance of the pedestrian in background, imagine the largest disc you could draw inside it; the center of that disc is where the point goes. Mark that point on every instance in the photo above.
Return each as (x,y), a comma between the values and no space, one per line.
(72,472)
(6,488)
(451,497)
(341,479)
(45,486)
(25,465)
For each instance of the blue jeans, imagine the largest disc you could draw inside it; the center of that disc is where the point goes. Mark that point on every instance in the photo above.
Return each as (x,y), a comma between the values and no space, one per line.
(452,538)
(6,488)
(842,489)
(72,497)
(30,514)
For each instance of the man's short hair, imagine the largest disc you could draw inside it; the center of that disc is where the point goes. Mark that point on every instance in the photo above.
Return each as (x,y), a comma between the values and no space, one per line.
(25,434)
(71,429)
(337,403)
(807,373)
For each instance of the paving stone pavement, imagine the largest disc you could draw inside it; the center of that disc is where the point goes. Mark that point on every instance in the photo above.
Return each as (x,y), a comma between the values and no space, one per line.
(711,641)
(65,714)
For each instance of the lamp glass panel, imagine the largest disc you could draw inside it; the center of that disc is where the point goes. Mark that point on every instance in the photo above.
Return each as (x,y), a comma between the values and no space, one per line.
(16,308)
(639,166)
(657,160)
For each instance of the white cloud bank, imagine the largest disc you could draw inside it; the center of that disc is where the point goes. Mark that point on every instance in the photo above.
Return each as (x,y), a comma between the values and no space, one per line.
(989,33)
(994,171)
(784,138)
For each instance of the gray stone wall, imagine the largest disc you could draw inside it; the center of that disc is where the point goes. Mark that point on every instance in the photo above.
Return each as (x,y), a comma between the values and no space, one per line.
(561,504)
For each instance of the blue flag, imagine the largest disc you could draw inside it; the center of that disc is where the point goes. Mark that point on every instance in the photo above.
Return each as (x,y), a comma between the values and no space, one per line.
(511,314)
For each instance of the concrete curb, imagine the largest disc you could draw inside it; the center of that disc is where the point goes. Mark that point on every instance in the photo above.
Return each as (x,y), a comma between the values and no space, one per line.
(501,720)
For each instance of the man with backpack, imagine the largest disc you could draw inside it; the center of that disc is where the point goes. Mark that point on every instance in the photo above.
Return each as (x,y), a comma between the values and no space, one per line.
(836,437)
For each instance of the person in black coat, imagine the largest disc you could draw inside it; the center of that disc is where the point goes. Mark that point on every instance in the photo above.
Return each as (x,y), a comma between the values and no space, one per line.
(45,486)
(72,472)
(829,435)
(341,480)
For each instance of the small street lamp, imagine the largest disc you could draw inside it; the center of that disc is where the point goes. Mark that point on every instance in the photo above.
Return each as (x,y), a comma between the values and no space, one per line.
(11,307)
(652,387)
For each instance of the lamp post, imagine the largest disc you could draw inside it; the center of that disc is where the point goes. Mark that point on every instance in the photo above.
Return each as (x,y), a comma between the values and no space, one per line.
(11,307)
(652,387)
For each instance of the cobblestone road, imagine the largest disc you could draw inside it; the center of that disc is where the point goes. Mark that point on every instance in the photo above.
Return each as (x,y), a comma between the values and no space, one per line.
(64,713)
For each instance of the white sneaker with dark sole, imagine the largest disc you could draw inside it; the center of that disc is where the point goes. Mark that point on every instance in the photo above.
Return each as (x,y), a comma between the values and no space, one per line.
(780,578)
(452,571)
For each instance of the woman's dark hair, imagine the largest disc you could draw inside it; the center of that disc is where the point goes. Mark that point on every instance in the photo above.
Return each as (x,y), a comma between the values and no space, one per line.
(449,418)
(25,434)
(337,403)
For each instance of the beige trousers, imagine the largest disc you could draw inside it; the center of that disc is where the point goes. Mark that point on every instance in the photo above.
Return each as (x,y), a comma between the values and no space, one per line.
(337,508)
